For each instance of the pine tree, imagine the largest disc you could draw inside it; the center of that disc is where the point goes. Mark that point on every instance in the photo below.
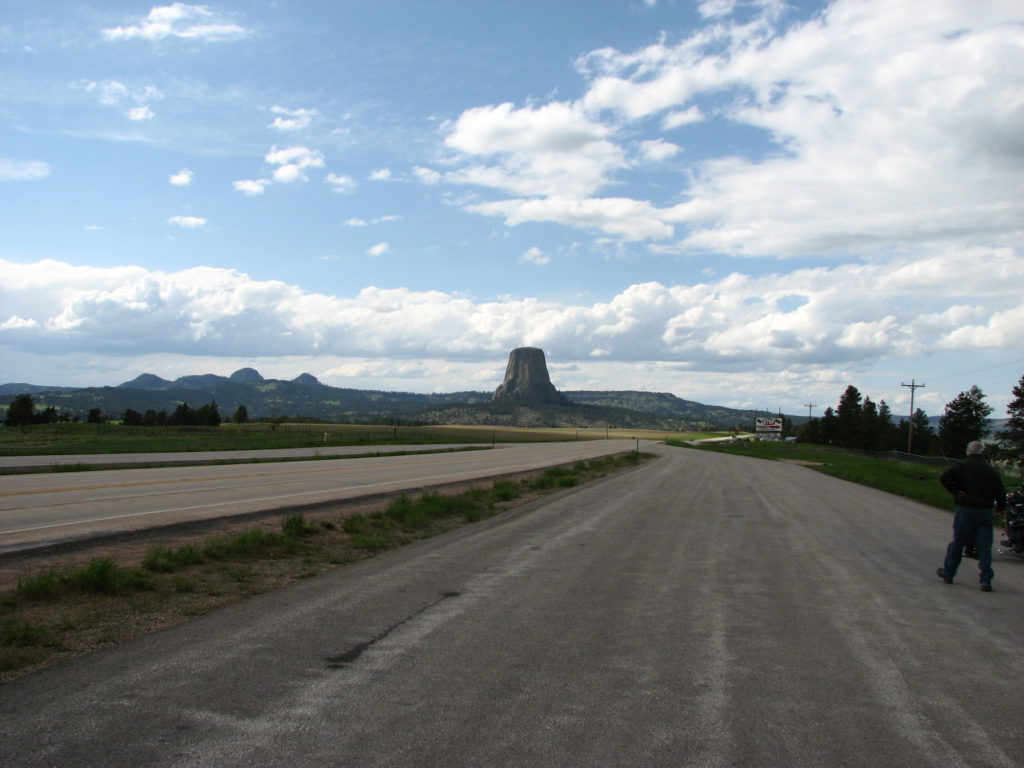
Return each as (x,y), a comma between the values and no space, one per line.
(886,428)
(1013,434)
(965,420)
(828,428)
(870,427)
(849,425)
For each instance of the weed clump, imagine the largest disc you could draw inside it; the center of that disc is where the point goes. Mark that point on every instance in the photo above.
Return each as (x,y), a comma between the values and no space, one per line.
(104,576)
(39,586)
(101,575)
(554,477)
(163,559)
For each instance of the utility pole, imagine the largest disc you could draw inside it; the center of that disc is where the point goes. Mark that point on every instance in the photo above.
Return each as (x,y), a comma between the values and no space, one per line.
(910,423)
(810,406)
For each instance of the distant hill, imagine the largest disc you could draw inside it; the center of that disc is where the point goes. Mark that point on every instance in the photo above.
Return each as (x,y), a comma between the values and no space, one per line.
(306,398)
(26,389)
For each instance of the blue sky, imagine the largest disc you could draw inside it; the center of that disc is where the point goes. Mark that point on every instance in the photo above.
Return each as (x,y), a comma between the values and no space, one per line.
(750,203)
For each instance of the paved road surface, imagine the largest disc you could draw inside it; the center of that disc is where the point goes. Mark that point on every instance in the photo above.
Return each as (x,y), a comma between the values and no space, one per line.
(41,509)
(14,464)
(700,610)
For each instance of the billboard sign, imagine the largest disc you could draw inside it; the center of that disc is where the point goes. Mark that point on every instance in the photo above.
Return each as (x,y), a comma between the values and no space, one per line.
(768,424)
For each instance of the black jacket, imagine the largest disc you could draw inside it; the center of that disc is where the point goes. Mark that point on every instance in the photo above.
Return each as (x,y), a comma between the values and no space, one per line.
(979,481)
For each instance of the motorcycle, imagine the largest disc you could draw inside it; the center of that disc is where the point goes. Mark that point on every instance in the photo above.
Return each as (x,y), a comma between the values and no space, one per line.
(1015,521)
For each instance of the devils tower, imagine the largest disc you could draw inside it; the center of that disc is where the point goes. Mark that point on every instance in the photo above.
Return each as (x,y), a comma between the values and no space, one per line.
(527,380)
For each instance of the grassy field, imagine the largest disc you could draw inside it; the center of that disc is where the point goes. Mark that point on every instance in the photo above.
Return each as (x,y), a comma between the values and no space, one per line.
(80,603)
(55,439)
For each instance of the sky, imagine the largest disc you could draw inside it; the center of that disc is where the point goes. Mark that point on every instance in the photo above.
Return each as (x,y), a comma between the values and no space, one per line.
(747,203)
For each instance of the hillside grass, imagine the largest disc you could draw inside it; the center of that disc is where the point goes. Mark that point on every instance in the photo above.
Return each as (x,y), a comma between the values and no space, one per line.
(80,603)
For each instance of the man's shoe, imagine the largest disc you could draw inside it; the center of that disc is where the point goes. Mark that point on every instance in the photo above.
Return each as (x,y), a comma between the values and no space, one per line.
(986,587)
(942,575)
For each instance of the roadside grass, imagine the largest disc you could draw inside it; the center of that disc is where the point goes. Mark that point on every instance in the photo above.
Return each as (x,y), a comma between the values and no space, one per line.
(71,608)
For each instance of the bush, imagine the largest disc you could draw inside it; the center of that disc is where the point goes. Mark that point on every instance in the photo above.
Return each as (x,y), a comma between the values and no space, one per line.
(105,576)
(295,526)
(505,490)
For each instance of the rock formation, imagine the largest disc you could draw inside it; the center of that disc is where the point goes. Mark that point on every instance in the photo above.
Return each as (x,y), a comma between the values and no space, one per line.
(527,380)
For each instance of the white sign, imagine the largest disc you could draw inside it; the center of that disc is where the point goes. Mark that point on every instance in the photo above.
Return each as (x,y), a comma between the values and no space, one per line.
(768,424)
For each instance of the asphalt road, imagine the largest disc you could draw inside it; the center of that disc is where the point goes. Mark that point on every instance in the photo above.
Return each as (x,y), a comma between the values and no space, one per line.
(699,610)
(16,464)
(42,509)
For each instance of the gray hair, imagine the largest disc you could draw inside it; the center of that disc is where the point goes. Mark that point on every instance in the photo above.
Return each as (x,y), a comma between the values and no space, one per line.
(975,448)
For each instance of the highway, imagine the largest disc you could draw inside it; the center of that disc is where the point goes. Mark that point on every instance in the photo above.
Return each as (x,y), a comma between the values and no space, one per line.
(699,610)
(47,508)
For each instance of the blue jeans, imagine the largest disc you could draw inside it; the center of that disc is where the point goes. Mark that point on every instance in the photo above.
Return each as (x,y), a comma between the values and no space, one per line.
(968,522)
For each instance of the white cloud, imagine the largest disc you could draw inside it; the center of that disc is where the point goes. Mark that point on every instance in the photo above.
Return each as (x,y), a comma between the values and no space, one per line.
(113,93)
(289,120)
(251,187)
(357,222)
(140,113)
(807,319)
(427,175)
(17,323)
(381,174)
(657,150)
(110,92)
(292,162)
(677,119)
(715,8)
(886,128)
(553,149)
(189,22)
(620,217)
(187,222)
(23,170)
(182,178)
(341,184)
(379,249)
(536,256)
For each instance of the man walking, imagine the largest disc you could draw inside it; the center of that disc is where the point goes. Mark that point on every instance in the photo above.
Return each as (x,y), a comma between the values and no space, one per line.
(976,486)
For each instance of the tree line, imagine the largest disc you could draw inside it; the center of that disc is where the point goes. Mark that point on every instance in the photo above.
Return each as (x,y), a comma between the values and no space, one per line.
(859,423)
(22,412)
